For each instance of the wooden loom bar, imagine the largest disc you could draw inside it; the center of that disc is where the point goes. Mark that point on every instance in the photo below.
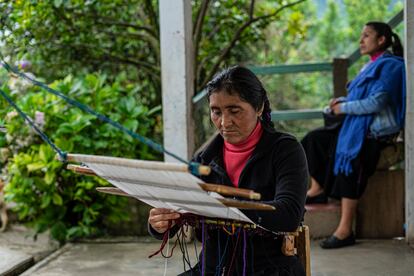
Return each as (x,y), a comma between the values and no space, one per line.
(225,201)
(220,189)
(154,165)
(230,191)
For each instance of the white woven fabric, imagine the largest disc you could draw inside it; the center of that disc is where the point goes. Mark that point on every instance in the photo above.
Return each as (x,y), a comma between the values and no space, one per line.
(175,190)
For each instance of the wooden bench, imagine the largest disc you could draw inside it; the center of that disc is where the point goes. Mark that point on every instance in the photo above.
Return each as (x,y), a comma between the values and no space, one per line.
(381,211)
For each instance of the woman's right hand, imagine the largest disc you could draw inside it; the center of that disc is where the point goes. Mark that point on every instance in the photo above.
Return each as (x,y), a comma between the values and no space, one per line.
(161,219)
(334,101)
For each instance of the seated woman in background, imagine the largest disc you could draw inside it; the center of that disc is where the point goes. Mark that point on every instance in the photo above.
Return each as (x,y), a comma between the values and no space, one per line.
(340,160)
(248,153)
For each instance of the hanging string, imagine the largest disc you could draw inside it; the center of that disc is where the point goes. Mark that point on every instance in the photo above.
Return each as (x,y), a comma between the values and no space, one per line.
(181,236)
(221,258)
(62,155)
(218,251)
(165,239)
(251,256)
(101,117)
(166,259)
(195,249)
(234,252)
(207,223)
(244,252)
(203,249)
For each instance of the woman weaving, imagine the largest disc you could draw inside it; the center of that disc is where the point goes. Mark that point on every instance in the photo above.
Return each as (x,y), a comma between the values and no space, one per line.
(248,153)
(341,159)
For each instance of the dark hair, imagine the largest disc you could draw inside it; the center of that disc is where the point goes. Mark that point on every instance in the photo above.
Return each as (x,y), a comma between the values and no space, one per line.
(391,38)
(243,82)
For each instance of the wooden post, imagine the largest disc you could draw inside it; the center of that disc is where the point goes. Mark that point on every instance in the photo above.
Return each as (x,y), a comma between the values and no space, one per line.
(340,76)
(409,121)
(177,77)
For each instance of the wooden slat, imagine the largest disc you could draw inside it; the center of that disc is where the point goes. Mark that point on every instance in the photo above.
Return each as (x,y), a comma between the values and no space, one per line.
(298,114)
(220,189)
(291,68)
(303,247)
(226,201)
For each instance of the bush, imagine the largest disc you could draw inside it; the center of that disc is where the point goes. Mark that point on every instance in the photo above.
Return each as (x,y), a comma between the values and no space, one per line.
(46,195)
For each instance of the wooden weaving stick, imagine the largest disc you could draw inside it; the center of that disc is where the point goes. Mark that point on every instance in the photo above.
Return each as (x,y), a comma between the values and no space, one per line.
(226,201)
(220,189)
(124,162)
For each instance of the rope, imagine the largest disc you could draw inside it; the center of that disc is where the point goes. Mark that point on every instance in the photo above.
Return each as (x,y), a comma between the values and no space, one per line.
(62,155)
(103,118)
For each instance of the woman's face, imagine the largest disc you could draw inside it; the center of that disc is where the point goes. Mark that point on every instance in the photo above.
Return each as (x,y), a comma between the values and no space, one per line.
(233,117)
(369,42)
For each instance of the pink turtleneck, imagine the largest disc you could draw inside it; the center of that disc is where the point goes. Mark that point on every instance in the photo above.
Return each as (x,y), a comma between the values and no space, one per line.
(376,55)
(236,155)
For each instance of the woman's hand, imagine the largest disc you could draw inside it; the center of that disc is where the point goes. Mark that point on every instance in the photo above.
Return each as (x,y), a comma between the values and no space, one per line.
(334,102)
(335,105)
(336,109)
(161,219)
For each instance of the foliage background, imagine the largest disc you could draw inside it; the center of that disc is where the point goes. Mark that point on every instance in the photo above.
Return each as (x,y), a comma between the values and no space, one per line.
(106,54)
(47,195)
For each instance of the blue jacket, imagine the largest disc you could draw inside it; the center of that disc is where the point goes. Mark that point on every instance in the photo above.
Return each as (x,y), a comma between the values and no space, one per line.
(374,106)
(380,104)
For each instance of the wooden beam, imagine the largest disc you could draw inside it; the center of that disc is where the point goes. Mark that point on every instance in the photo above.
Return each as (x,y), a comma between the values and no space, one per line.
(297,114)
(340,76)
(409,122)
(208,187)
(291,68)
(226,201)
(177,75)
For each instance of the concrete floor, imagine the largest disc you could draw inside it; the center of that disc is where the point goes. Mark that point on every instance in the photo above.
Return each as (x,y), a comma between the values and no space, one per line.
(368,257)
(129,256)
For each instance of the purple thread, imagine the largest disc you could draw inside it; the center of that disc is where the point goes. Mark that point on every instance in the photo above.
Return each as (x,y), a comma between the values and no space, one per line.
(244,252)
(202,250)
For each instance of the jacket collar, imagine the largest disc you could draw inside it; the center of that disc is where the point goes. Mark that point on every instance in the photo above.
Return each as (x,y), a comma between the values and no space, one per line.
(214,150)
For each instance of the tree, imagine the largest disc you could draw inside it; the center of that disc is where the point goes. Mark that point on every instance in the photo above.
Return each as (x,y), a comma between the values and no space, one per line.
(118,40)
(112,36)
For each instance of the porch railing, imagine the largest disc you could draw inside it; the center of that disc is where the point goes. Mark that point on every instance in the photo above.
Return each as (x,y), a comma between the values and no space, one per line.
(338,67)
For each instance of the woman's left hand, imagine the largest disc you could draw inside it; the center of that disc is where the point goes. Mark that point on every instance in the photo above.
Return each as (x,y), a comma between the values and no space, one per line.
(336,109)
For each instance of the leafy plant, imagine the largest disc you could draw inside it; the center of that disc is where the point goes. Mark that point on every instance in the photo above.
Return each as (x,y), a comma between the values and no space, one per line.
(46,195)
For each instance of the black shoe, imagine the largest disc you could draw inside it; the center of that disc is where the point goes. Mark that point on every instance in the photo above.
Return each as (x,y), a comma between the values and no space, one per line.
(321,198)
(333,242)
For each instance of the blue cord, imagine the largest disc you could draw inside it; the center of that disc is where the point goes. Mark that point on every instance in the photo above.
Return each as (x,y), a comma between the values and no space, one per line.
(61,153)
(193,167)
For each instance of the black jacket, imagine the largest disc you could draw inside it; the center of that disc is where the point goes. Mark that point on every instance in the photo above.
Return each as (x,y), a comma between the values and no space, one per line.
(277,170)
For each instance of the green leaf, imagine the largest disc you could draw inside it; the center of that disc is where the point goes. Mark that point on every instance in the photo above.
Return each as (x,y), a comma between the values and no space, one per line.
(78,208)
(131,125)
(57,3)
(45,202)
(59,231)
(49,177)
(57,199)
(35,166)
